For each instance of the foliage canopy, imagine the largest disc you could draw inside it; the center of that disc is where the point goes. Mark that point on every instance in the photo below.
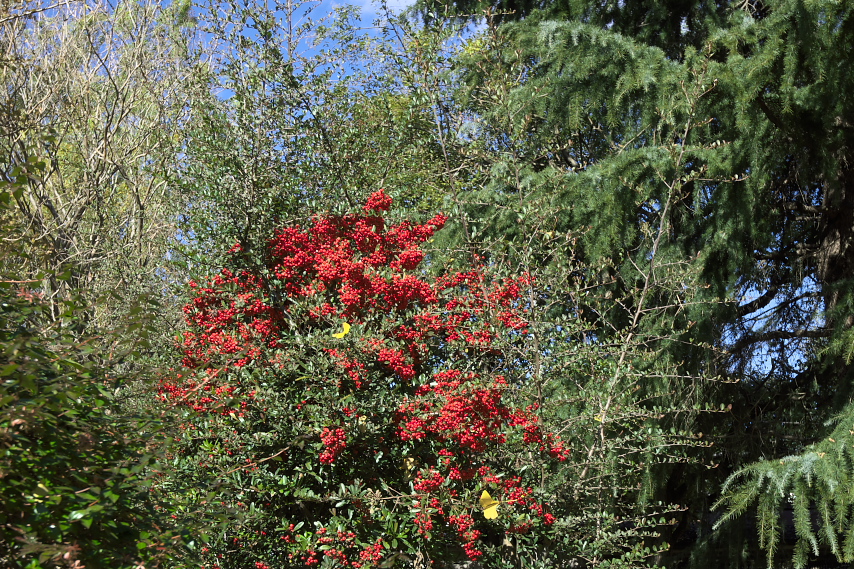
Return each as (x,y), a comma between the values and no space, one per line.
(638,308)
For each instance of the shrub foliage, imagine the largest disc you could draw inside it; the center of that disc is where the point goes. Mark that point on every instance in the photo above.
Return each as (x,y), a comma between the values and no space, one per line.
(354,411)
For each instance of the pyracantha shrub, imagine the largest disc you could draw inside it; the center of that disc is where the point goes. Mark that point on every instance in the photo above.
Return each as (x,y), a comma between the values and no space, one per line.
(346,410)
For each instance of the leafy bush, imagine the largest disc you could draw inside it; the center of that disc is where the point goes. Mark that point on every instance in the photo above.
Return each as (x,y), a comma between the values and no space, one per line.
(74,467)
(343,410)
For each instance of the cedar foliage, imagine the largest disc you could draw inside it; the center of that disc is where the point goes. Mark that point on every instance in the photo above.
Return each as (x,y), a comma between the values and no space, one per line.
(602,95)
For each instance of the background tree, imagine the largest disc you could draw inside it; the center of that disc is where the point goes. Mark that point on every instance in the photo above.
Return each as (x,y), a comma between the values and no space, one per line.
(310,112)
(108,84)
(90,102)
(75,466)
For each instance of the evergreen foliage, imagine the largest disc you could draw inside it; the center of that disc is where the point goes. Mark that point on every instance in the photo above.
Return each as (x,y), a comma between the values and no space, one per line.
(815,486)
(749,95)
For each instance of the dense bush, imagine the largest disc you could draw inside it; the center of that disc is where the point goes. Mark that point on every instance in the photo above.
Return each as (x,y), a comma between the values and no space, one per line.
(75,468)
(75,464)
(352,410)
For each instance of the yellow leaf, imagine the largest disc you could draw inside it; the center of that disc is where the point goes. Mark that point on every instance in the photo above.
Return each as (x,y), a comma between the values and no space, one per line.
(489,505)
(409,467)
(344,333)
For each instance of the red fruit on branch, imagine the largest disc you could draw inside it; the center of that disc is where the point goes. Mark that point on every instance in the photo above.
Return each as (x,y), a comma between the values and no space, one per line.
(412,381)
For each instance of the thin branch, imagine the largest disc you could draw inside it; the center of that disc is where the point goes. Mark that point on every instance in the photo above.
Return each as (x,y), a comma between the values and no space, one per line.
(33,12)
(750,339)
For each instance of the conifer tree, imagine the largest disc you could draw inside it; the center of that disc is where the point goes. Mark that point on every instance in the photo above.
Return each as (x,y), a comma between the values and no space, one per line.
(755,98)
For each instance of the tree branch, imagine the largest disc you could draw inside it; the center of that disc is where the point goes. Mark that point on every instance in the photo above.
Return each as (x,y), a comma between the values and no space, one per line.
(758,303)
(750,339)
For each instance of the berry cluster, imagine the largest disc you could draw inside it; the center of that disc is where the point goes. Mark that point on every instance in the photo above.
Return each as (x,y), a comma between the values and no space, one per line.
(341,548)
(335,440)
